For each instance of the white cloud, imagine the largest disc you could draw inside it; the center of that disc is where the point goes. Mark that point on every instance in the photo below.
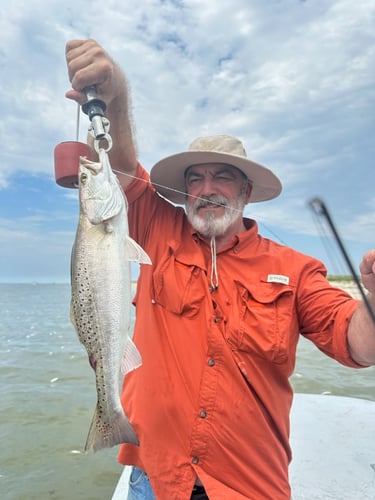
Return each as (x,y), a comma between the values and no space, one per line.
(294,80)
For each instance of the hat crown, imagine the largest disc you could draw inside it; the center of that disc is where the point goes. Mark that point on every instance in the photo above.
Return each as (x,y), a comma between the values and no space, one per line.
(219,144)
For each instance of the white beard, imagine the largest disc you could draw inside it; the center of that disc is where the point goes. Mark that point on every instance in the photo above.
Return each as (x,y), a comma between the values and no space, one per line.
(210,225)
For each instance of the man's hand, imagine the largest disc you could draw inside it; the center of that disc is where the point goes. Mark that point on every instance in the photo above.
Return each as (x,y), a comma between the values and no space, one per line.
(367,268)
(89,64)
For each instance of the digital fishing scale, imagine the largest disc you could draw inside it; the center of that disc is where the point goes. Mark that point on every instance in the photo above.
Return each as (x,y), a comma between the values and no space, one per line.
(67,154)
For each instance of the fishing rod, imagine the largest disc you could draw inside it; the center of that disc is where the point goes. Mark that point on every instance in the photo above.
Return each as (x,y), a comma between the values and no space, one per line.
(319,208)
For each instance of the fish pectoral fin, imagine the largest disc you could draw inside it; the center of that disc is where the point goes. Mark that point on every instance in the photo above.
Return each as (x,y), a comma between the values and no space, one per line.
(131,358)
(135,252)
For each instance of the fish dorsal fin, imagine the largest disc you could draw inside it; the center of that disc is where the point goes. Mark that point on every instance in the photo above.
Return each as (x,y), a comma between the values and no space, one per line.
(135,252)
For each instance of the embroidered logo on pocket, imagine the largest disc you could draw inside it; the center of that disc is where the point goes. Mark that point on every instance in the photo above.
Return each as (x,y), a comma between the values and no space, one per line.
(278,278)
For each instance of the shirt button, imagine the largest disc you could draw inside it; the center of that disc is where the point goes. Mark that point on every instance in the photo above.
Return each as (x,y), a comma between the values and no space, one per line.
(195,460)
(203,414)
(153,301)
(211,362)
(216,319)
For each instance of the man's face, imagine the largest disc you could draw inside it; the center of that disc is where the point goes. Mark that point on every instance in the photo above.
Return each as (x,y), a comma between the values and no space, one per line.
(217,194)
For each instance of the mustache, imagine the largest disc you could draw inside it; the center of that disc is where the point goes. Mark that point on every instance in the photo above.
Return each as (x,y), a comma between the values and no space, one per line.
(214,199)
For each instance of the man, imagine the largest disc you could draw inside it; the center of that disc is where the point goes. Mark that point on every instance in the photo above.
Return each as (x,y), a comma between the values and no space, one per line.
(219,313)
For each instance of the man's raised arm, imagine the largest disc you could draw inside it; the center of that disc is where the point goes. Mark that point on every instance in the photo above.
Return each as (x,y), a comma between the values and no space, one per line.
(89,64)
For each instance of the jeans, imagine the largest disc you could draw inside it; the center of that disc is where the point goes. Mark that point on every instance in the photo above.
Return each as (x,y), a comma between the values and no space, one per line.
(139,486)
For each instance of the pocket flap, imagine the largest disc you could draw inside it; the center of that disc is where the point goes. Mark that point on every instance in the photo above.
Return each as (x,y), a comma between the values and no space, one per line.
(263,291)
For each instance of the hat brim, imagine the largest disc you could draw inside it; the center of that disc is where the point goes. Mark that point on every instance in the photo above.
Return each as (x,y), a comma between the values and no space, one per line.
(168,175)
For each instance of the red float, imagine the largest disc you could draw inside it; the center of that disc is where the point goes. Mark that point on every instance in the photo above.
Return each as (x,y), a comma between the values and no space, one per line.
(67,155)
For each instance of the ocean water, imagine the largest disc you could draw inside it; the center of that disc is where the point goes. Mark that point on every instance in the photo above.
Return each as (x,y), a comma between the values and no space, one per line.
(47,398)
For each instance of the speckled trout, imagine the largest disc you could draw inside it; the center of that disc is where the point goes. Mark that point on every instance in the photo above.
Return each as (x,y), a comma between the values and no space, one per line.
(101,296)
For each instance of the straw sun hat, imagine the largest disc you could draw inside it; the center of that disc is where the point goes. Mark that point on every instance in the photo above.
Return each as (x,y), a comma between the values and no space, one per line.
(168,175)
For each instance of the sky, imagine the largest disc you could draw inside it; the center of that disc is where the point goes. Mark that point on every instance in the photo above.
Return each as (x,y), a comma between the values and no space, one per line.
(294,80)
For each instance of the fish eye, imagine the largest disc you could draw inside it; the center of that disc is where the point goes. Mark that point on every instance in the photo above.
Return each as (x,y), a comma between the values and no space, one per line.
(83,178)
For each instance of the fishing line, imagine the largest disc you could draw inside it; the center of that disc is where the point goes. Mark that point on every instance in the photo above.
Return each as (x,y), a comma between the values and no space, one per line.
(109,141)
(176,190)
(92,99)
(77,121)
(197,198)
(317,206)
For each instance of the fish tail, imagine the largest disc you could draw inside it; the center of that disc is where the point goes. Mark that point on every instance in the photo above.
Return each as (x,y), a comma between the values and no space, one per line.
(104,434)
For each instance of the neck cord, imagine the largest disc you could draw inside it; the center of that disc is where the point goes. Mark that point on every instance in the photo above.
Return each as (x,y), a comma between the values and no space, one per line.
(214,274)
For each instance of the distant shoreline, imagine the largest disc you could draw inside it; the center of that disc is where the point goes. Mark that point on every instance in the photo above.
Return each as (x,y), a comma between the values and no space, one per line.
(341,277)
(332,278)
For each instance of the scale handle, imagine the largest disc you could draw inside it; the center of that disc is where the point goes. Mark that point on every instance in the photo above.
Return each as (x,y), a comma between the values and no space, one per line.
(94,108)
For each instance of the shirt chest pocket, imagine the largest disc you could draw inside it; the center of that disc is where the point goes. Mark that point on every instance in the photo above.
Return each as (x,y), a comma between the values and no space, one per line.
(178,287)
(265,323)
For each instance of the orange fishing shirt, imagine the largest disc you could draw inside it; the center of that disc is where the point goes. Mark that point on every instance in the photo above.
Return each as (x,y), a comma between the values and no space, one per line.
(212,398)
